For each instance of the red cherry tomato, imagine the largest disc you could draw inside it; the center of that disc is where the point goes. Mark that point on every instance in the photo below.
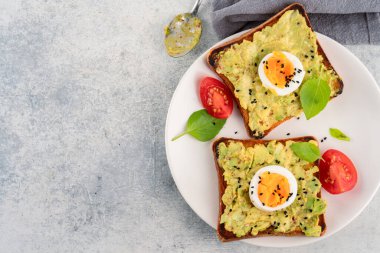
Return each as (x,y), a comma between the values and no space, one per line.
(216,98)
(337,172)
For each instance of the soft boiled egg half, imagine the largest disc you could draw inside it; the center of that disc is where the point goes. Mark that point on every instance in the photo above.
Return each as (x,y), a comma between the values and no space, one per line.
(281,72)
(272,188)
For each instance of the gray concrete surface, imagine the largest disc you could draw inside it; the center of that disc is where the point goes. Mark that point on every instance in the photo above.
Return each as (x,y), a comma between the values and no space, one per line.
(84,91)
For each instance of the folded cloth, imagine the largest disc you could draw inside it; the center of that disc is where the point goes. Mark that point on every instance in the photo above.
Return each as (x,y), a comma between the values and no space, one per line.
(347,21)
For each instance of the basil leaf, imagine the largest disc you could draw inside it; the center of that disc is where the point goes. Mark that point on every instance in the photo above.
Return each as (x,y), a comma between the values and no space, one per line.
(306,151)
(315,94)
(202,126)
(337,134)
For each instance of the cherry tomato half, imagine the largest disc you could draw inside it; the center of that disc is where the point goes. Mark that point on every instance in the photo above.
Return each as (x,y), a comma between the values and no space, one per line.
(216,98)
(337,172)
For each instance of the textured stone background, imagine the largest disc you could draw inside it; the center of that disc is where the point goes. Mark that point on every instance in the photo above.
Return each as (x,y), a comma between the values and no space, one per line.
(84,91)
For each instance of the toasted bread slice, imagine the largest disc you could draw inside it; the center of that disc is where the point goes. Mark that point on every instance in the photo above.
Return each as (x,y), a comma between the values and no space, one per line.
(227,236)
(213,59)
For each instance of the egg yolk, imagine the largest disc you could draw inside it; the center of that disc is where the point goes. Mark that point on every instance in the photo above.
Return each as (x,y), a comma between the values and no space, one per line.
(278,69)
(273,189)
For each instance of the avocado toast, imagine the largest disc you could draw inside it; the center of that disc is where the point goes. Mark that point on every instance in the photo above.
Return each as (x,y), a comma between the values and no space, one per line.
(237,161)
(236,63)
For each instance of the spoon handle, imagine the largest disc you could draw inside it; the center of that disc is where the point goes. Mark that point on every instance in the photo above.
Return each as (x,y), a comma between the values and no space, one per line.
(196,7)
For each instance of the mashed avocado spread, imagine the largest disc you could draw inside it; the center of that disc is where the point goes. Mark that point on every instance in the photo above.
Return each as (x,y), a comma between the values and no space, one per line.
(240,164)
(240,64)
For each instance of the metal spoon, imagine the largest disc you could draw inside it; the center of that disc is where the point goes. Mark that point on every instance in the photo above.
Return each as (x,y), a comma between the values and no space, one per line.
(183,32)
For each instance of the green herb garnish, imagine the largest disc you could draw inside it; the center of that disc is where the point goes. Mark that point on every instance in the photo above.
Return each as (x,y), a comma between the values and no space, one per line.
(315,94)
(202,126)
(337,134)
(306,151)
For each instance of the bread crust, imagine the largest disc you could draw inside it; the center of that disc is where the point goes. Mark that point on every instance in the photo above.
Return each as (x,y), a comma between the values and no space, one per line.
(227,236)
(212,61)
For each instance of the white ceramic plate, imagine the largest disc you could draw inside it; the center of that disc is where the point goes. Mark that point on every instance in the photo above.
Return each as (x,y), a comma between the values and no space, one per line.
(355,112)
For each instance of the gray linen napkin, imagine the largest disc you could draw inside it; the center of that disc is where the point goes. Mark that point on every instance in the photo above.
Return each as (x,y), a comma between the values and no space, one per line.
(347,21)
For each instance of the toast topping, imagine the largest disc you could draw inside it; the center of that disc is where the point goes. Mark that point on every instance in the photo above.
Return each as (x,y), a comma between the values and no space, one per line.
(273,189)
(278,68)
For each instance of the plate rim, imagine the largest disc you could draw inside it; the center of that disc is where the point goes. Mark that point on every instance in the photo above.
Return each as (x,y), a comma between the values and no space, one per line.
(169,159)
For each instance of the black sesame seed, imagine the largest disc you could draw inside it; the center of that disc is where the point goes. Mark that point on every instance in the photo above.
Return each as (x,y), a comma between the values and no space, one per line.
(288,134)
(251,192)
(236,132)
(266,67)
(310,210)
(299,198)
(266,93)
(301,205)
(265,107)
(313,180)
(311,51)
(263,204)
(298,23)
(295,94)
(306,56)
(282,65)
(255,64)
(305,192)
(262,50)
(286,216)
(305,228)
(322,140)
(239,185)
(277,161)
(261,193)
(312,57)
(237,90)
(297,81)
(308,71)
(298,118)
(325,138)
(255,226)
(316,185)
(213,123)
(230,209)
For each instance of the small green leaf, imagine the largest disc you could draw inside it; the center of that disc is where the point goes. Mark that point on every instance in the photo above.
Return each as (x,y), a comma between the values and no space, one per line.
(337,134)
(202,126)
(306,151)
(315,94)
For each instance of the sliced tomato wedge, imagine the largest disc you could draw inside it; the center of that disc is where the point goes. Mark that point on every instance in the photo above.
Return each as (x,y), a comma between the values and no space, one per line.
(216,98)
(337,172)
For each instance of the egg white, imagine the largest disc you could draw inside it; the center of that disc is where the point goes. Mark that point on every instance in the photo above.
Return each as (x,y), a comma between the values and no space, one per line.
(253,187)
(294,83)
